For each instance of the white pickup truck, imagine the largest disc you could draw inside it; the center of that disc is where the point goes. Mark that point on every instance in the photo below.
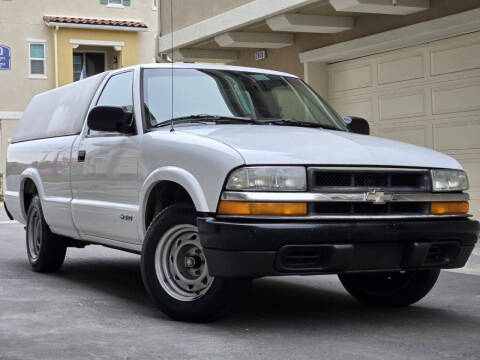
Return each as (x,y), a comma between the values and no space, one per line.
(217,175)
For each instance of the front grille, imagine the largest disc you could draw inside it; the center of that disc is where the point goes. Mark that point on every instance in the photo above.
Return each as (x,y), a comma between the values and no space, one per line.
(361,180)
(349,208)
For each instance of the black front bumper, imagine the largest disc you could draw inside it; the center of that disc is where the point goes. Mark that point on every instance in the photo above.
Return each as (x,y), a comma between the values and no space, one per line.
(255,249)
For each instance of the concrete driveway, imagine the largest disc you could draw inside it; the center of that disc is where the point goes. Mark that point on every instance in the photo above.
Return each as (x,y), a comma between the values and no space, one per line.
(96,307)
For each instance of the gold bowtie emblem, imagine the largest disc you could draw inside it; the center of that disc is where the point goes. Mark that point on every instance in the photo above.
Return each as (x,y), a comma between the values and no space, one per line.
(378,197)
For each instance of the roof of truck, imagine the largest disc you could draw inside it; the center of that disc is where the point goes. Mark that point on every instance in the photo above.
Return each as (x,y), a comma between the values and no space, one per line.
(211,67)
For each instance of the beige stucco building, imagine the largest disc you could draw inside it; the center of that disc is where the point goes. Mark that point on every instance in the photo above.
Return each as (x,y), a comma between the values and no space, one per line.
(410,67)
(51,41)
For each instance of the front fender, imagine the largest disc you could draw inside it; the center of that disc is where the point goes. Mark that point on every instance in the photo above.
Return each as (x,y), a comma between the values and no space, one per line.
(177,175)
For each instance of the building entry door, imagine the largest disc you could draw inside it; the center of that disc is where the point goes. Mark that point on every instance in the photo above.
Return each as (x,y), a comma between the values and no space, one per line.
(91,63)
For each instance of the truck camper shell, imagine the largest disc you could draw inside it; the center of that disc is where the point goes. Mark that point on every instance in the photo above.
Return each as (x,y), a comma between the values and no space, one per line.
(58,112)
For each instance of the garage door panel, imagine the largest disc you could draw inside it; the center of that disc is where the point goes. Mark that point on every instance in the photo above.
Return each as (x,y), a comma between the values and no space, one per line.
(404,105)
(456,98)
(343,79)
(416,135)
(361,108)
(457,135)
(456,56)
(397,70)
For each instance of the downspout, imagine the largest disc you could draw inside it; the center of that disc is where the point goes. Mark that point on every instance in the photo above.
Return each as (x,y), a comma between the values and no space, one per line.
(158,58)
(55,44)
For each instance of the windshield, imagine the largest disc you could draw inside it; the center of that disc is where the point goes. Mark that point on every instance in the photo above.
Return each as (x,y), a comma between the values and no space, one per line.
(256,96)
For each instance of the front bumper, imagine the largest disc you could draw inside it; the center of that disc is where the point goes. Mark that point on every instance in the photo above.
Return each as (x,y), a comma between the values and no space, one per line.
(260,248)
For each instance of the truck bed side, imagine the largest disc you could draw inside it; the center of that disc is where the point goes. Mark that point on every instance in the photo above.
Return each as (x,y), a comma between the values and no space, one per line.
(46,163)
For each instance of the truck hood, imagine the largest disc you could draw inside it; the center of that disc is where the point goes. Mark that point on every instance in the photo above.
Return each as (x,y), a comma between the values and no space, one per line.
(264,144)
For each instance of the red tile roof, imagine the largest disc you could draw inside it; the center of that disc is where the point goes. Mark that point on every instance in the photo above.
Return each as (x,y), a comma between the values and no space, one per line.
(86,21)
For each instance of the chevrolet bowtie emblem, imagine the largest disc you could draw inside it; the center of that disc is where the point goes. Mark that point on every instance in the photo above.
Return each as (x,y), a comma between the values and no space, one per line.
(378,197)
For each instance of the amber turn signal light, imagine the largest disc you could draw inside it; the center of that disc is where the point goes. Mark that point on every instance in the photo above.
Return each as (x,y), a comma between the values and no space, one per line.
(449,208)
(262,208)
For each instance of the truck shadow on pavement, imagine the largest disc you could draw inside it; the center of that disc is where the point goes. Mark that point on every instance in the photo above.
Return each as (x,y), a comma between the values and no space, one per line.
(301,302)
(271,301)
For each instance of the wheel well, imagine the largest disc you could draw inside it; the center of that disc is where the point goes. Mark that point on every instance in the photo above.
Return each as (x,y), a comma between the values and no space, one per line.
(29,191)
(165,193)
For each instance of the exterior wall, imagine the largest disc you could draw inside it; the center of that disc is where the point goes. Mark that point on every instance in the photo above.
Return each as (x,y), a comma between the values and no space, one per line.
(129,55)
(17,25)
(21,20)
(287,60)
(188,12)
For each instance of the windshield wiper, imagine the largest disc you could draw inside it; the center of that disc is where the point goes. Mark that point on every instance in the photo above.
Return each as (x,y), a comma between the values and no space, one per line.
(200,117)
(293,122)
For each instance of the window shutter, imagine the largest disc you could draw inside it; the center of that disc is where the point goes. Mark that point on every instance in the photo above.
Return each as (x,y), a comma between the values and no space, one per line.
(126,2)
(104,2)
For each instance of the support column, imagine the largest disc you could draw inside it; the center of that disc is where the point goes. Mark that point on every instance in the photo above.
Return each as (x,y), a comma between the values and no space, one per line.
(316,75)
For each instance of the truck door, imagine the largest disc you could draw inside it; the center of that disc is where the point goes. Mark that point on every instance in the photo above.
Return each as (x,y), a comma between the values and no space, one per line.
(104,174)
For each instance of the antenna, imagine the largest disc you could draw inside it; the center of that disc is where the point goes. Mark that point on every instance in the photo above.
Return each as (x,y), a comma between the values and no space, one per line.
(172,60)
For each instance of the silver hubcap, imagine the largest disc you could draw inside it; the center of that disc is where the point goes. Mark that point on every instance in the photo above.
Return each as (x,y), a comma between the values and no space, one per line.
(180,264)
(34,235)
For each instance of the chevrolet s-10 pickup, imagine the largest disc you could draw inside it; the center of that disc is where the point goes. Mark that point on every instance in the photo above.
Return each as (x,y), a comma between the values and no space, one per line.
(217,175)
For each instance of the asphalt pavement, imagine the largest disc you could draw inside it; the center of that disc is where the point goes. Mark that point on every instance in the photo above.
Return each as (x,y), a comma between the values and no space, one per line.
(96,308)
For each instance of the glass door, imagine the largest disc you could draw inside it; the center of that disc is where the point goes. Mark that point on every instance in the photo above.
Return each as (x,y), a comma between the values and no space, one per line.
(87,64)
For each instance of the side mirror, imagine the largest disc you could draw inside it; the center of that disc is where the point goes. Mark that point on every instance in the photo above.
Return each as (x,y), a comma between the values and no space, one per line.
(357,125)
(111,119)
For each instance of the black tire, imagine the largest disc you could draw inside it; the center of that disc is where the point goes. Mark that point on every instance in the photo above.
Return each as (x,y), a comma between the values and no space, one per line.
(215,302)
(47,254)
(390,289)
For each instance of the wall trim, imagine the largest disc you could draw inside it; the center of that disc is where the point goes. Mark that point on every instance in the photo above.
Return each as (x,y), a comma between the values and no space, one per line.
(10,115)
(97,43)
(244,15)
(421,33)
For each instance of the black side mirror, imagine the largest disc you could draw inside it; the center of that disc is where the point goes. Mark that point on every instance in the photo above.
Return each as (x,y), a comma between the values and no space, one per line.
(111,119)
(357,125)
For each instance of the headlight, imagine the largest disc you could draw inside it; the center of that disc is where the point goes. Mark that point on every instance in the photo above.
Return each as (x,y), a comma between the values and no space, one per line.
(287,178)
(449,180)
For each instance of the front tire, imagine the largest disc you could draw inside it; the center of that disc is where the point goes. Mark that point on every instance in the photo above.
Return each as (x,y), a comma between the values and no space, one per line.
(175,270)
(45,250)
(394,289)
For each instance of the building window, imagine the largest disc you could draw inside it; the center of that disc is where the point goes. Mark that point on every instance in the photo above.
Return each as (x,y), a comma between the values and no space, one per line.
(116,3)
(37,60)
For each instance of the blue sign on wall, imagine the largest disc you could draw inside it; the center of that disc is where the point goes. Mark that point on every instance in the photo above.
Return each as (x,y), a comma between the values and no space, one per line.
(4,57)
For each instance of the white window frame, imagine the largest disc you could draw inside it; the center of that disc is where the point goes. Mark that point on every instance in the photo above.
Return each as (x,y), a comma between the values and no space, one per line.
(37,42)
(121,6)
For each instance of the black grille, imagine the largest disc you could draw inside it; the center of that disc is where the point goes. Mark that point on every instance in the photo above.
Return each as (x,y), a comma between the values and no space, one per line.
(351,208)
(357,180)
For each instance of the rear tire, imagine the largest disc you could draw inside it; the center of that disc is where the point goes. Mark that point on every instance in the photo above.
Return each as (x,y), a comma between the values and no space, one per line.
(45,250)
(175,271)
(394,289)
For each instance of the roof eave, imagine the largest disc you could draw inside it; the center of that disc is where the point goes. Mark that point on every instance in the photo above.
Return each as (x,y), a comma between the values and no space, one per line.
(95,27)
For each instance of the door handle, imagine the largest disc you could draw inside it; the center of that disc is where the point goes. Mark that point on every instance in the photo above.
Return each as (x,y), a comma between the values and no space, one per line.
(81,155)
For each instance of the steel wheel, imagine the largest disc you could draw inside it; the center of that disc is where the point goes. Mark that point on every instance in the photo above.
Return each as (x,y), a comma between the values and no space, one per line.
(34,235)
(180,264)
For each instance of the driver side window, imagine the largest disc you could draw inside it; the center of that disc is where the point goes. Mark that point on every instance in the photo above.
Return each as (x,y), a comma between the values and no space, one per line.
(117,92)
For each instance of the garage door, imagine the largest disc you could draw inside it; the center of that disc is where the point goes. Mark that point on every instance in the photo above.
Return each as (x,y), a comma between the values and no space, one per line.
(427,95)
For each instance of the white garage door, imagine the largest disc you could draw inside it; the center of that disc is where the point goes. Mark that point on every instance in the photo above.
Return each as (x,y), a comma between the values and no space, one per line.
(427,95)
